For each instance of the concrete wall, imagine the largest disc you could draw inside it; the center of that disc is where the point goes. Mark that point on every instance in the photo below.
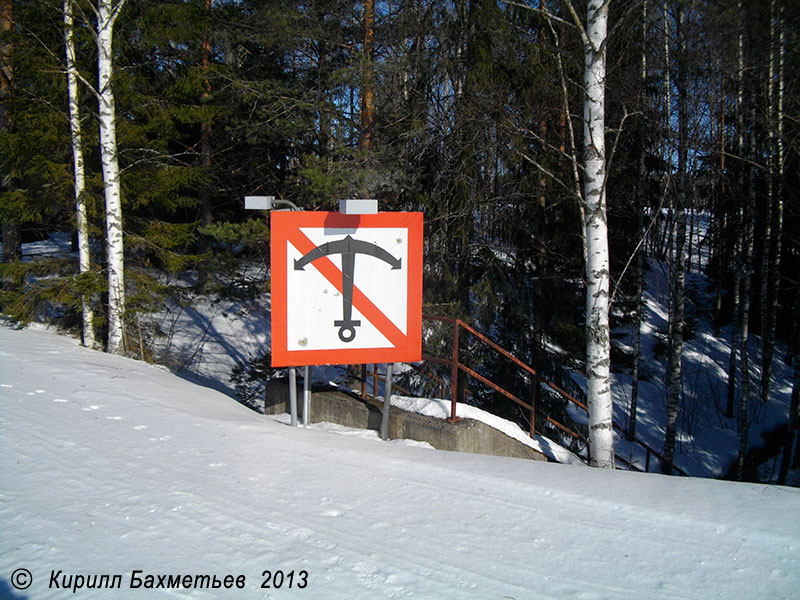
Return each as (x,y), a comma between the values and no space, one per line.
(467,435)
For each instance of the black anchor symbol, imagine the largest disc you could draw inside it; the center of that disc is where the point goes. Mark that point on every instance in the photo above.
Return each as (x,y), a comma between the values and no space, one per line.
(348,248)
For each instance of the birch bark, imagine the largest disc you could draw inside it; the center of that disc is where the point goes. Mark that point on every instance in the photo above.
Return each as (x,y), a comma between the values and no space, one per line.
(107,13)
(598,342)
(82,224)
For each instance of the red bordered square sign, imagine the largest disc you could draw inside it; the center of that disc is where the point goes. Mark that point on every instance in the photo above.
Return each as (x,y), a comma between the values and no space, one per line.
(346,289)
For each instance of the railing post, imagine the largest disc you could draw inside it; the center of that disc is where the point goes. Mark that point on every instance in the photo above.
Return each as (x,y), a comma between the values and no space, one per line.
(454,380)
(534,399)
(363,382)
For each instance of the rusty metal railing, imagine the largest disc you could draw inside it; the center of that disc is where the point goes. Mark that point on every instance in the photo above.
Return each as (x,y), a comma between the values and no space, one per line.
(457,367)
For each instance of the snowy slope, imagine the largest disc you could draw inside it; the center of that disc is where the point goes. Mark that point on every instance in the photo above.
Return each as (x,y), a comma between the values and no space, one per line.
(110,465)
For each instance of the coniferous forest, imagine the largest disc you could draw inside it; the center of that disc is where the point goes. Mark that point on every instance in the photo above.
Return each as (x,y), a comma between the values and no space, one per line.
(556,147)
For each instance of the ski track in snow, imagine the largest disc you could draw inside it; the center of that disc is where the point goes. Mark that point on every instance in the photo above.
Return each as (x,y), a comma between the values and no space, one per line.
(110,465)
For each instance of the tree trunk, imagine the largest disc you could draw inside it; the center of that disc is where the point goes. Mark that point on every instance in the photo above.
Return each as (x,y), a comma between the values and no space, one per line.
(82,224)
(739,221)
(569,132)
(107,15)
(368,78)
(747,268)
(776,176)
(639,273)
(637,324)
(206,208)
(792,428)
(720,217)
(598,342)
(769,163)
(678,297)
(12,237)
(793,420)
(736,308)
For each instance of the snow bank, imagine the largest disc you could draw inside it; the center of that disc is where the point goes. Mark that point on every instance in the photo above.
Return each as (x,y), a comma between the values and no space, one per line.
(112,466)
(434,407)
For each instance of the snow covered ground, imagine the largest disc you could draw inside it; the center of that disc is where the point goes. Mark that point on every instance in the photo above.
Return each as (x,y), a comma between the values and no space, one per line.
(113,466)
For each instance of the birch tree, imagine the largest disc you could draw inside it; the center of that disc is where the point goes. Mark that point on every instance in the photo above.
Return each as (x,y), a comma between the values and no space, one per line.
(598,339)
(107,14)
(78,168)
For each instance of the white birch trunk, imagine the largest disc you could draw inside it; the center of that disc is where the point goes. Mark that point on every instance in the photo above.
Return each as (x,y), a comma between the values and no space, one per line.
(82,225)
(598,342)
(107,13)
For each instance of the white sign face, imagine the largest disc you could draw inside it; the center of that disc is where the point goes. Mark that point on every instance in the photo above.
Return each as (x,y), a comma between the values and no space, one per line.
(352,286)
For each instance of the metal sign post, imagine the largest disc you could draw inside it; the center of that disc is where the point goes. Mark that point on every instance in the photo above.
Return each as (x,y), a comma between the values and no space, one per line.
(306,394)
(293,395)
(269,203)
(387,402)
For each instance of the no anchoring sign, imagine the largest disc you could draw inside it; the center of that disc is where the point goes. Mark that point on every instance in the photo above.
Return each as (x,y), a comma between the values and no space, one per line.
(346,288)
